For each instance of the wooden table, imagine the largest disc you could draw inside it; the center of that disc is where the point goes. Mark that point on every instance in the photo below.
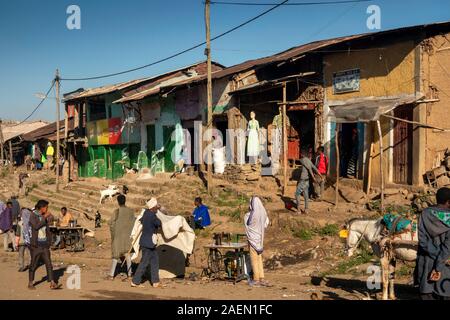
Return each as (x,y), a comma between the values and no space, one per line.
(217,261)
(72,237)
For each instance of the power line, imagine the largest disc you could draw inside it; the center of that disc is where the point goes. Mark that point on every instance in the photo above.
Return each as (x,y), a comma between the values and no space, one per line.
(37,107)
(287,4)
(181,52)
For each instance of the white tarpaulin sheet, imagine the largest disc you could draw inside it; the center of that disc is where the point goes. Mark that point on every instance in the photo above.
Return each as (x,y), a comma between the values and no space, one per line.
(176,233)
(366,109)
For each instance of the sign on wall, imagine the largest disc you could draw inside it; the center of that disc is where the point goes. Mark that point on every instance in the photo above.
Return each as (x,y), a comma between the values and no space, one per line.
(346,81)
(111,132)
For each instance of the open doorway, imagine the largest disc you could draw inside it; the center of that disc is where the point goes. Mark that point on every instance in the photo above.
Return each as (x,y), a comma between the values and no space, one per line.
(303,134)
(349,150)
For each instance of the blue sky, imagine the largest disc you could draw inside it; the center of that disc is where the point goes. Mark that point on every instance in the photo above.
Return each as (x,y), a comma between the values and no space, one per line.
(118,35)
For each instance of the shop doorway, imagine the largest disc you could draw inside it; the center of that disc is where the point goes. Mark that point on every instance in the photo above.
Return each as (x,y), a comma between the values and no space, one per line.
(302,133)
(349,150)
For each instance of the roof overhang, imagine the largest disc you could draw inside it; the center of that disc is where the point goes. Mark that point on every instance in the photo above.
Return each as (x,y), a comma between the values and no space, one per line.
(366,109)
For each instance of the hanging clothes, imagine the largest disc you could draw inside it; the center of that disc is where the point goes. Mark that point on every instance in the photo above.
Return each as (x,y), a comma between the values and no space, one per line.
(179,143)
(253,147)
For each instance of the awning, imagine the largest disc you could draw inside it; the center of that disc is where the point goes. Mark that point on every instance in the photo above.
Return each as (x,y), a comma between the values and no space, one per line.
(366,109)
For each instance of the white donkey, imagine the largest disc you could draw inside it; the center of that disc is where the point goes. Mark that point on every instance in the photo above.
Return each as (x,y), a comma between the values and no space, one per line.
(401,246)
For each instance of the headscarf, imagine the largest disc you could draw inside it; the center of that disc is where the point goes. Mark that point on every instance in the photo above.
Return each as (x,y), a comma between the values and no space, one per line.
(256,221)
(152,203)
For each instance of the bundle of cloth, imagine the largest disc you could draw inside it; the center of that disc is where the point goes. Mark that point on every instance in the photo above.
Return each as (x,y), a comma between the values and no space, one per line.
(176,232)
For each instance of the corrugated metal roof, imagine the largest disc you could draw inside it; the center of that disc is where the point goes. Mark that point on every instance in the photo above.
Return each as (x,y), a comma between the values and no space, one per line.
(305,48)
(154,90)
(12,130)
(105,89)
(168,80)
(47,131)
(124,85)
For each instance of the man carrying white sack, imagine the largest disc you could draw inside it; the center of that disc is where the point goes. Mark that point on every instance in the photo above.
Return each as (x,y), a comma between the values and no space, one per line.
(175,232)
(150,225)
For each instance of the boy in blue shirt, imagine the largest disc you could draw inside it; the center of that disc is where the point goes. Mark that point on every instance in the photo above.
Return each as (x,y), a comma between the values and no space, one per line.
(201,214)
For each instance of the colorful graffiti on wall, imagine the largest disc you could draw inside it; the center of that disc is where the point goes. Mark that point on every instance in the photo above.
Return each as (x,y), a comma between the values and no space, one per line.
(111,132)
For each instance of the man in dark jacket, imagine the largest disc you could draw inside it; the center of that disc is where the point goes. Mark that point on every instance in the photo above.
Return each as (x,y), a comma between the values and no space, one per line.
(433,264)
(6,225)
(40,242)
(150,225)
(15,211)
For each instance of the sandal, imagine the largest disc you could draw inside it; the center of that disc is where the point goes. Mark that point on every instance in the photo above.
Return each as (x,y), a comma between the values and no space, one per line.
(55,286)
(137,285)
(265,283)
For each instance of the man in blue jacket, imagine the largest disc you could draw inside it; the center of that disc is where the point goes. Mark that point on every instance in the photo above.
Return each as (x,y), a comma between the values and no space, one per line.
(150,224)
(201,214)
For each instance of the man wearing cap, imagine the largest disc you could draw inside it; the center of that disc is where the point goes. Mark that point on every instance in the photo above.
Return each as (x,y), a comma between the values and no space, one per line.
(150,224)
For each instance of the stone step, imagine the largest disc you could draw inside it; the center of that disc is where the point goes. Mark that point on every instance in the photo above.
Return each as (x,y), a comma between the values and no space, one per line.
(51,200)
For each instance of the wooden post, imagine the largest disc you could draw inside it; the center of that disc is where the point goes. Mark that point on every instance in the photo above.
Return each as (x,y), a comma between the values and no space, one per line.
(57,84)
(285,140)
(338,163)
(65,168)
(10,157)
(209,90)
(381,165)
(2,143)
(369,169)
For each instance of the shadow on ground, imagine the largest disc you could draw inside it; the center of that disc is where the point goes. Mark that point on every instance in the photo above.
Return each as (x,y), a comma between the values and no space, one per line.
(359,288)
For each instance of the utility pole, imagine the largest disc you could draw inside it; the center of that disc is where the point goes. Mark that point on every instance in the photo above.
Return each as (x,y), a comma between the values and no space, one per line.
(2,143)
(11,167)
(285,140)
(209,89)
(57,129)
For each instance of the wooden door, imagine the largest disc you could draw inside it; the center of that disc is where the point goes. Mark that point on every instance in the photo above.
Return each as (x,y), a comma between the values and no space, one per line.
(403,135)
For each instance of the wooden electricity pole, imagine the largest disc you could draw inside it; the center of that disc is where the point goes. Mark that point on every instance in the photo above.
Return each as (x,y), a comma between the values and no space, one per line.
(11,167)
(338,163)
(380,136)
(57,84)
(285,140)
(2,143)
(209,90)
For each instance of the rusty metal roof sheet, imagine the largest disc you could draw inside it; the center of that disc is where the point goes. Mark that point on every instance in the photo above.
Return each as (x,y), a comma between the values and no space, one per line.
(128,84)
(309,47)
(155,89)
(105,89)
(11,131)
(48,131)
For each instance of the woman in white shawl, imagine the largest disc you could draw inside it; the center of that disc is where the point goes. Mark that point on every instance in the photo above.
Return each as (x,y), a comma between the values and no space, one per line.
(256,221)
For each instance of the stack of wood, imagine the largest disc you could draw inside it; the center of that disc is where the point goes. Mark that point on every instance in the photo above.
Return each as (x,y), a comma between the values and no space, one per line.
(440,176)
(245,172)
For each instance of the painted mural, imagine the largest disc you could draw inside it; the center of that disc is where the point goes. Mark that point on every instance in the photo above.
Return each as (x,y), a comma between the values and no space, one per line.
(111,132)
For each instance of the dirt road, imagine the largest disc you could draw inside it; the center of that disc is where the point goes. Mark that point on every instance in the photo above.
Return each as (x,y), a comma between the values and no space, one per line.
(93,286)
